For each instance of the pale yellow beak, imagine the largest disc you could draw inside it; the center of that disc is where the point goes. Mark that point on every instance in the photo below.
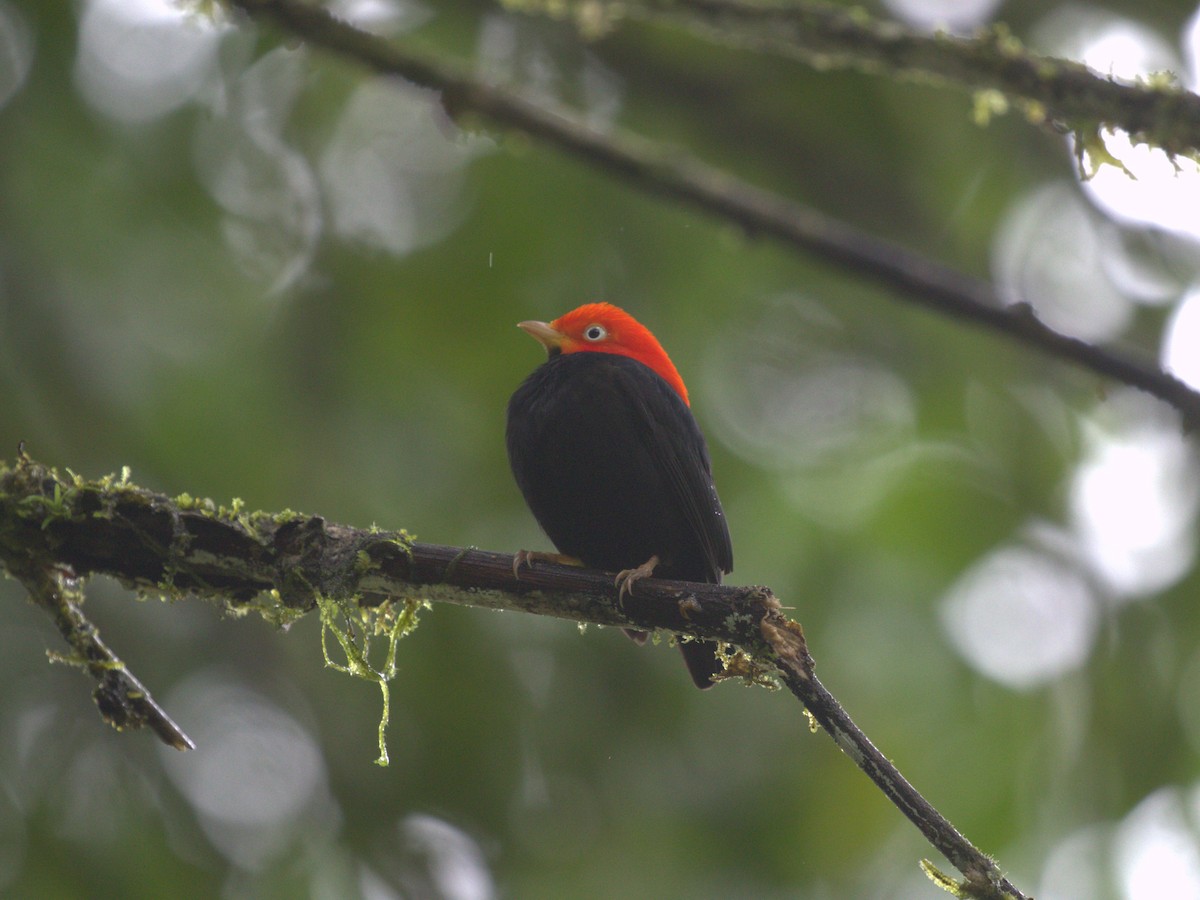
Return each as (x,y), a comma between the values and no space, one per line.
(543,334)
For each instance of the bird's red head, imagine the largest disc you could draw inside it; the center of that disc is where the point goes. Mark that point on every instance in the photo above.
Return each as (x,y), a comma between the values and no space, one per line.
(604,328)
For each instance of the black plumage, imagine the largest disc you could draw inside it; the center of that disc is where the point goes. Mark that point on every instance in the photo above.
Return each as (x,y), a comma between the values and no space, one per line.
(615,470)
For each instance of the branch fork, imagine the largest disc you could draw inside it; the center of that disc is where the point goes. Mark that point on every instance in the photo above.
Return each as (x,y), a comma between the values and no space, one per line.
(55,531)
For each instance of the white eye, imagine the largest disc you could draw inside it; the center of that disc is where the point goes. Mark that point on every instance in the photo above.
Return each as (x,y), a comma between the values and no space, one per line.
(595,333)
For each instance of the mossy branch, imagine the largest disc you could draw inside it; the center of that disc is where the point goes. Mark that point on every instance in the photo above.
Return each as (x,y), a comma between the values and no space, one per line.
(994,63)
(55,531)
(667,171)
(123,701)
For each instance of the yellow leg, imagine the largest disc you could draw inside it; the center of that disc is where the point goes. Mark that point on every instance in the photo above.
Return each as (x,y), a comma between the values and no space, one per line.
(527,558)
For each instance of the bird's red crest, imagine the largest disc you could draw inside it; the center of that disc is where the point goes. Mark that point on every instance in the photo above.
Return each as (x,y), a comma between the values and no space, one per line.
(604,328)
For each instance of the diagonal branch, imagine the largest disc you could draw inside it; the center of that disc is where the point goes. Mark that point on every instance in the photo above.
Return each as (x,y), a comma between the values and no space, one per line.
(983,877)
(1048,89)
(911,277)
(283,565)
(122,699)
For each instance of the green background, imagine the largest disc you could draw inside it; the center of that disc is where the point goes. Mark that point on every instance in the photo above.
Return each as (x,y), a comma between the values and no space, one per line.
(181,293)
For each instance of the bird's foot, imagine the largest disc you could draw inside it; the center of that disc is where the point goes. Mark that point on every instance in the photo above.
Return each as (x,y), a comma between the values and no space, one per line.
(627,578)
(526,559)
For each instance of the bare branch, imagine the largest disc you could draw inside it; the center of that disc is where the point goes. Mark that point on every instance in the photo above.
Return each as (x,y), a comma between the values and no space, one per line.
(667,171)
(983,878)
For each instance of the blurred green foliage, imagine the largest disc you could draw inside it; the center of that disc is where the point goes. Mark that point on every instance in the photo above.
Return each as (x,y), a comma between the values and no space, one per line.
(144,321)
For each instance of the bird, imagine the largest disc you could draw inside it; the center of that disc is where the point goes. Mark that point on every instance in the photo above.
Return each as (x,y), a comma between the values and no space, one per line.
(611,462)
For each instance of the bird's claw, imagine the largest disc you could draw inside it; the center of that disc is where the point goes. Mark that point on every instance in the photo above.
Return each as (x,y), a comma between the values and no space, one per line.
(521,558)
(627,578)
(526,559)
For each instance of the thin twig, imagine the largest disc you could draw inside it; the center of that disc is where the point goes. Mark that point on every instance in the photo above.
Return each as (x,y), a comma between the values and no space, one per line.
(983,878)
(122,699)
(909,275)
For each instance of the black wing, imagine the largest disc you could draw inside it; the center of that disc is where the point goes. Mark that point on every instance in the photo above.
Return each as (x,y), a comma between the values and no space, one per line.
(673,438)
(615,469)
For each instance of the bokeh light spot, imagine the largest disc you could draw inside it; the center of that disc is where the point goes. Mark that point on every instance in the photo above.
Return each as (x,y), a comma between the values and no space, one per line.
(384,17)
(1153,853)
(140,59)
(256,776)
(1021,616)
(1191,49)
(450,858)
(392,171)
(266,187)
(16,51)
(955,16)
(1153,189)
(787,398)
(1181,343)
(1078,867)
(1105,42)
(1156,850)
(1133,498)
(1048,253)
(1156,190)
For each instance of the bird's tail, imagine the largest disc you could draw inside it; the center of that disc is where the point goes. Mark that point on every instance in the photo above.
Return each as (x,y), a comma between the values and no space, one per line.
(702,662)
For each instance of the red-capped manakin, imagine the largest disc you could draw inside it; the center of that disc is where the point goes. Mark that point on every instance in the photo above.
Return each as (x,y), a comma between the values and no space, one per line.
(604,447)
